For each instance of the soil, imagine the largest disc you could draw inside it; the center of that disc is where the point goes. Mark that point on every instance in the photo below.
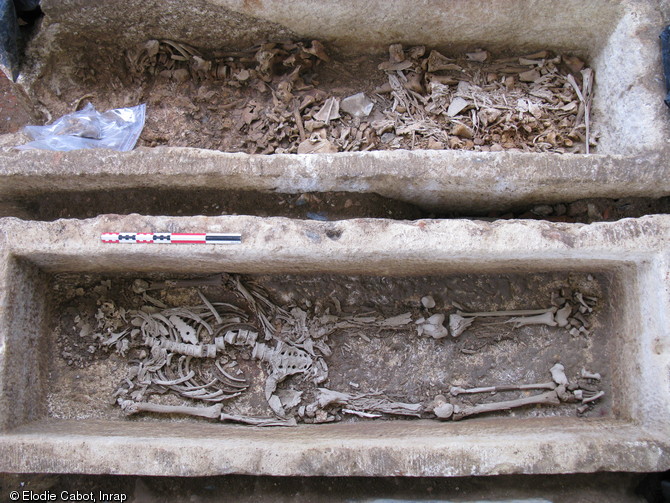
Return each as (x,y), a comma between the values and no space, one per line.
(13,110)
(397,362)
(315,206)
(569,488)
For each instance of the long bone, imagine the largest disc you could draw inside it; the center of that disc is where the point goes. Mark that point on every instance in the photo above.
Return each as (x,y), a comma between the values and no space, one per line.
(504,314)
(458,324)
(539,319)
(258,421)
(456,390)
(131,407)
(548,398)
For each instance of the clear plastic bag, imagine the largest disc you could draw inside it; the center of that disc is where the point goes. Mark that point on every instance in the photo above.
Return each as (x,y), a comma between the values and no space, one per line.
(116,129)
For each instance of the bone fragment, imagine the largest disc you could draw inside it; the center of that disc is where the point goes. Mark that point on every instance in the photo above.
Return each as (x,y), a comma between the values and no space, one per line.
(564,395)
(361,414)
(428,302)
(548,398)
(579,394)
(444,410)
(401,319)
(580,298)
(216,314)
(434,327)
(455,390)
(594,397)
(458,324)
(131,407)
(498,314)
(258,421)
(275,404)
(562,315)
(540,319)
(590,375)
(558,374)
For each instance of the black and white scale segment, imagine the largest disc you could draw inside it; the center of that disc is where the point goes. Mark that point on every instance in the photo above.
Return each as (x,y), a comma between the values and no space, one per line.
(170,238)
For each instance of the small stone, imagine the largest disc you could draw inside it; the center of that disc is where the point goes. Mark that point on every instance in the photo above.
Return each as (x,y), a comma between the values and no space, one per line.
(577,208)
(454,142)
(456,106)
(435,145)
(478,56)
(428,302)
(543,210)
(181,75)
(462,130)
(496,147)
(316,147)
(357,105)
(388,137)
(574,63)
(529,76)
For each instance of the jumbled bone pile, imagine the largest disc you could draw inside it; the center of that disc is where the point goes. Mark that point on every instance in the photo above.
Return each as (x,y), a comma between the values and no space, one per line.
(187,351)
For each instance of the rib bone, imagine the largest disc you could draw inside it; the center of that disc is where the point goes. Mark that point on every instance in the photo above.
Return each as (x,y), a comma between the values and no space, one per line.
(548,398)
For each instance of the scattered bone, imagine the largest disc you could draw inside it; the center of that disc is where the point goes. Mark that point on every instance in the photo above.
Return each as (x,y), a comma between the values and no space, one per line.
(434,327)
(590,375)
(358,413)
(456,106)
(593,398)
(548,398)
(458,324)
(491,314)
(428,302)
(329,111)
(582,408)
(580,298)
(562,315)
(456,390)
(444,410)
(258,421)
(539,319)
(558,374)
(357,105)
(131,407)
(366,402)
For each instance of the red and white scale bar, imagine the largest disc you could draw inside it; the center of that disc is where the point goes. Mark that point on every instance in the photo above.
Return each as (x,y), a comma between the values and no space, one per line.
(204,238)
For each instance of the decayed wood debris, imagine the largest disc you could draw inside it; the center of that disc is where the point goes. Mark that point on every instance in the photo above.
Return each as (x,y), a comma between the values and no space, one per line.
(268,99)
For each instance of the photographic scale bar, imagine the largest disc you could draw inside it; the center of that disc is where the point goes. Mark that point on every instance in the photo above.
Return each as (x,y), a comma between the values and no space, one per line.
(203,238)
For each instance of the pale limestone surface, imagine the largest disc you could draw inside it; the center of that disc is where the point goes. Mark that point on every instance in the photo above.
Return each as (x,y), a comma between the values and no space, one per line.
(637,438)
